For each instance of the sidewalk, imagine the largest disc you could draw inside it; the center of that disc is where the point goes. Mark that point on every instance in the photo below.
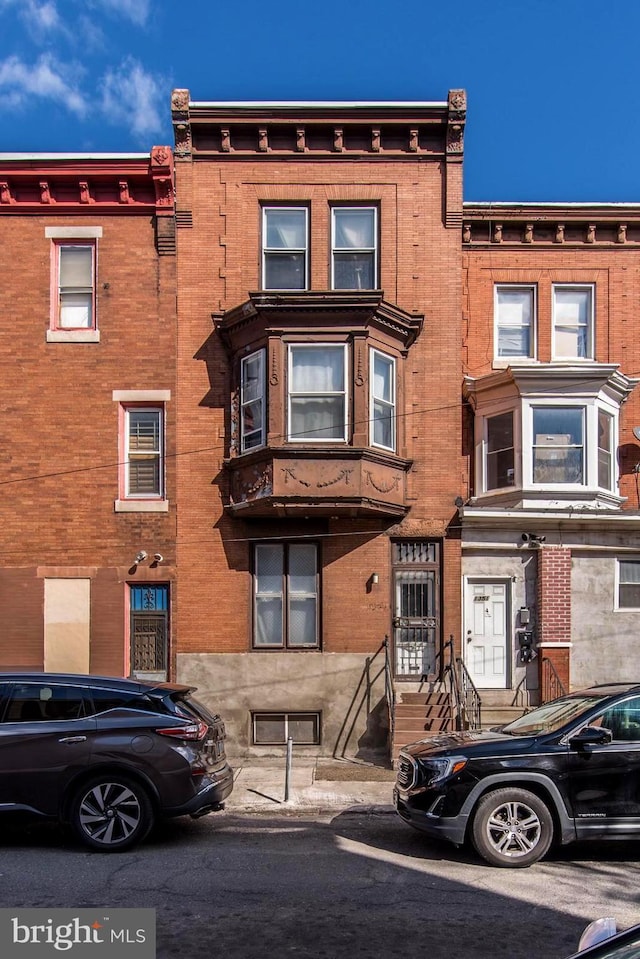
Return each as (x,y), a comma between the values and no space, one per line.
(316,786)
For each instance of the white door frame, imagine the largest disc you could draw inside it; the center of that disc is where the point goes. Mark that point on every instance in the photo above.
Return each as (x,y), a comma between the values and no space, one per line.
(505,581)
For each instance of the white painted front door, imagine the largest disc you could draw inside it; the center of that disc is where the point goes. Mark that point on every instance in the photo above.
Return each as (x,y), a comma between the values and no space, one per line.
(486,634)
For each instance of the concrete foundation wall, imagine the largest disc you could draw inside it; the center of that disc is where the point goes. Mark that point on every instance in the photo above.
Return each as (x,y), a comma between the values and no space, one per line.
(605,640)
(348,690)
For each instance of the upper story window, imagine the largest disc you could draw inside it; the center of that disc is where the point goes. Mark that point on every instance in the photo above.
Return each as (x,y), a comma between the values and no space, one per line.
(606,464)
(499,463)
(354,234)
(76,287)
(144,441)
(317,393)
(558,445)
(573,322)
(514,321)
(383,400)
(286,596)
(285,240)
(252,402)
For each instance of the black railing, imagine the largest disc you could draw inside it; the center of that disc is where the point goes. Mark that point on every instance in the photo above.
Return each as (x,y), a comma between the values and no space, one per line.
(389,689)
(471,709)
(551,686)
(451,682)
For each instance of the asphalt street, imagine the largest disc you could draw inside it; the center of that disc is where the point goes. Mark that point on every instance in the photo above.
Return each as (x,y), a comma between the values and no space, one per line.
(347,885)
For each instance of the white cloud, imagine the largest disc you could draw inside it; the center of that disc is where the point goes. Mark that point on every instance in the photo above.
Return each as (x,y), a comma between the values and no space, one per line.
(132,96)
(135,10)
(40,17)
(46,79)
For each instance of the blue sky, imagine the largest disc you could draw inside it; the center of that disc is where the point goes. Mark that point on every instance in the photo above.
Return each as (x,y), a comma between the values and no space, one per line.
(551,84)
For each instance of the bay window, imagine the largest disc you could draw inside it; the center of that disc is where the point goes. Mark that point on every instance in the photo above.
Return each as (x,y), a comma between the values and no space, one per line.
(252,401)
(558,445)
(382,401)
(286,602)
(317,393)
(499,455)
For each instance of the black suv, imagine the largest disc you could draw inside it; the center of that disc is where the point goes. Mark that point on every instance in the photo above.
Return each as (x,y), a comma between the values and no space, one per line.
(109,756)
(564,771)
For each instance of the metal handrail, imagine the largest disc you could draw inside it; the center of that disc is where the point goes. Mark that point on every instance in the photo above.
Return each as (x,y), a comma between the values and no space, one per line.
(389,689)
(471,703)
(551,686)
(450,677)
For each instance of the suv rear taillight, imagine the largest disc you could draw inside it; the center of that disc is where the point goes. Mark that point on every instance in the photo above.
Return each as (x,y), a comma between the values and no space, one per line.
(193,731)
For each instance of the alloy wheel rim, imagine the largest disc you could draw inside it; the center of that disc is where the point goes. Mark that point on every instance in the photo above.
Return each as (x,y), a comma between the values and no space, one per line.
(513,829)
(110,813)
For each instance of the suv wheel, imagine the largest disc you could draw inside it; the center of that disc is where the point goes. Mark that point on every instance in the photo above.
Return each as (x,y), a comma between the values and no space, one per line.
(511,827)
(111,813)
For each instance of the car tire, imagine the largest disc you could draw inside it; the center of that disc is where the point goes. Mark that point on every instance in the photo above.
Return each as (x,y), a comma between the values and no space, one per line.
(111,813)
(512,828)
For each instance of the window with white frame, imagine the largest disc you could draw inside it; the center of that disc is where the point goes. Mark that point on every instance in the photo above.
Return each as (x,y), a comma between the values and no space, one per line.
(572,322)
(252,402)
(383,400)
(285,596)
(499,461)
(75,281)
(285,234)
(629,584)
(354,235)
(272,729)
(606,426)
(514,321)
(558,445)
(317,393)
(143,454)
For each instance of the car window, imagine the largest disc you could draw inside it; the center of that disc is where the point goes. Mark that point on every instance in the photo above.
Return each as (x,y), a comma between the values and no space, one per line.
(105,699)
(37,702)
(623,720)
(551,716)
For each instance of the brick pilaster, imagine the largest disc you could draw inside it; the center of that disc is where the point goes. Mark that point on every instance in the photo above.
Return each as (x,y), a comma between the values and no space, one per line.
(554,609)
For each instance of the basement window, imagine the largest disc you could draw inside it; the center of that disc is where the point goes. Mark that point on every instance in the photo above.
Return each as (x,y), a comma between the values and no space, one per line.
(274,729)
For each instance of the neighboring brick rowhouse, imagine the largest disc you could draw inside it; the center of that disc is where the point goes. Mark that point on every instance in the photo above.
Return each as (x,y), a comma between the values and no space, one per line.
(60,466)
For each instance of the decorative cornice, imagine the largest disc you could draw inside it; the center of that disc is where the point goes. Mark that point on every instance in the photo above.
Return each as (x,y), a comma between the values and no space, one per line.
(88,185)
(550,224)
(350,310)
(316,129)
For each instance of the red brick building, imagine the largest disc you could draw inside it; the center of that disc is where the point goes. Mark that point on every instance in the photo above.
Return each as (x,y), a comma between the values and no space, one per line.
(319,421)
(551,353)
(87,362)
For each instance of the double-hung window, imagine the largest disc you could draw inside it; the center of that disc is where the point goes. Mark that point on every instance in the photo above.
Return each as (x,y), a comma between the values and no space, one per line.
(252,402)
(499,465)
(317,393)
(285,233)
(354,236)
(285,596)
(383,401)
(628,584)
(76,286)
(606,427)
(144,440)
(572,322)
(514,321)
(558,445)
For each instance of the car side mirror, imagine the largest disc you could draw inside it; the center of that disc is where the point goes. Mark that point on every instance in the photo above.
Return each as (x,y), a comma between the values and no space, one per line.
(591,736)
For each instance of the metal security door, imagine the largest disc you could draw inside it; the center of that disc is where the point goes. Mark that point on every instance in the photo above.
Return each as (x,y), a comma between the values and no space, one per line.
(416,623)
(149,631)
(486,646)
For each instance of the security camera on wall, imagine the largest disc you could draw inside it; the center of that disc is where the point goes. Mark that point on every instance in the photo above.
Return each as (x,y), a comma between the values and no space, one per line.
(636,432)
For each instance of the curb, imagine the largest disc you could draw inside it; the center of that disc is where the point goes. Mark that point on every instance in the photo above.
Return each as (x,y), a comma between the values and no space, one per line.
(293,809)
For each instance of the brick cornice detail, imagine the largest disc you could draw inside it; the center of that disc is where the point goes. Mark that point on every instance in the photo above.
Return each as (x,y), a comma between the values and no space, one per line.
(88,186)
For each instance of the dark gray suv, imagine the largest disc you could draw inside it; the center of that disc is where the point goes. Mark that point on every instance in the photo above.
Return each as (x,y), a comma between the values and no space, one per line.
(108,756)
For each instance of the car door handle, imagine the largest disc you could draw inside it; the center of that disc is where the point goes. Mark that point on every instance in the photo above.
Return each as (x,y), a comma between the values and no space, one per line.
(73,739)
